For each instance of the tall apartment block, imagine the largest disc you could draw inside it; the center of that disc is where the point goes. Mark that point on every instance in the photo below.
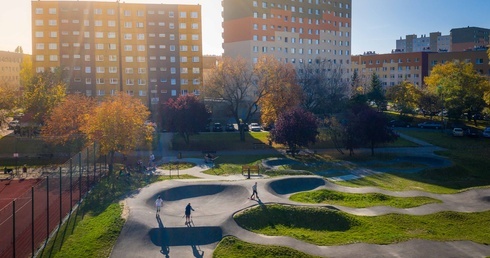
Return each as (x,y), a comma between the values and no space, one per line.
(469,38)
(150,51)
(294,31)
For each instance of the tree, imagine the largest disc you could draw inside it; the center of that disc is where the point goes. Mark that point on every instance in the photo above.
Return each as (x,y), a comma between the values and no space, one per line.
(295,128)
(283,92)
(405,96)
(186,115)
(373,128)
(324,89)
(234,83)
(429,103)
(376,93)
(460,86)
(64,124)
(118,125)
(43,93)
(26,73)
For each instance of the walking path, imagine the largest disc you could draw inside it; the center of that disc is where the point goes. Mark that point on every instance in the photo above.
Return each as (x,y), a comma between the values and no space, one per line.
(216,198)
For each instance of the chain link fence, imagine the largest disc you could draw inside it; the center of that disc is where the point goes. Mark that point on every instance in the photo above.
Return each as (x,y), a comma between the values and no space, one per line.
(27,222)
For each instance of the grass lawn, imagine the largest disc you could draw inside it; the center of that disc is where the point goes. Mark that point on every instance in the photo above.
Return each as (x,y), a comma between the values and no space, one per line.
(93,229)
(231,141)
(232,247)
(232,164)
(322,226)
(470,169)
(360,200)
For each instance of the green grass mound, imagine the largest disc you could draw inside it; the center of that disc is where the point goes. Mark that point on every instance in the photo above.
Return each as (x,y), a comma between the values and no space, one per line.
(360,200)
(232,247)
(322,226)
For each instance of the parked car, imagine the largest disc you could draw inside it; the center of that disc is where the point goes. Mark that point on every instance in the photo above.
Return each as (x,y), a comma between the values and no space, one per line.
(230,128)
(470,132)
(458,132)
(430,124)
(486,132)
(255,127)
(398,123)
(217,127)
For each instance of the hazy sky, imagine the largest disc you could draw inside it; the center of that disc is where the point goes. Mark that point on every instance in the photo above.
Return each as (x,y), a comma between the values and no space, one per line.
(376,24)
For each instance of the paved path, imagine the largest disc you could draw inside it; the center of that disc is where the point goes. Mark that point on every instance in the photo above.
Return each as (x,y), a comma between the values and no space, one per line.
(216,198)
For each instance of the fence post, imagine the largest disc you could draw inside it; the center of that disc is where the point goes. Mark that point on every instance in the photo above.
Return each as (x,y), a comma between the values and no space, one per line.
(88,171)
(71,184)
(61,199)
(32,220)
(13,227)
(80,176)
(47,207)
(95,163)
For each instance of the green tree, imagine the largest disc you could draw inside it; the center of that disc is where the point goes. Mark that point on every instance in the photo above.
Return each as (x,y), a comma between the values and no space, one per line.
(186,115)
(429,103)
(460,86)
(295,128)
(43,93)
(118,125)
(376,94)
(405,97)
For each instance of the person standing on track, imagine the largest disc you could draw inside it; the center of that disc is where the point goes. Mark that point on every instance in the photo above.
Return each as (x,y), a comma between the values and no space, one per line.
(254,192)
(188,210)
(158,204)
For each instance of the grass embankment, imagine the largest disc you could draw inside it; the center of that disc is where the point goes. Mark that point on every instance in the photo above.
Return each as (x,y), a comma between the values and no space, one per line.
(232,247)
(470,167)
(322,226)
(92,230)
(360,200)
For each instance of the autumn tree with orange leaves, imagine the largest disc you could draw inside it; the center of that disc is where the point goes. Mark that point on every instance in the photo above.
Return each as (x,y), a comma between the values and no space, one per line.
(279,80)
(64,123)
(118,125)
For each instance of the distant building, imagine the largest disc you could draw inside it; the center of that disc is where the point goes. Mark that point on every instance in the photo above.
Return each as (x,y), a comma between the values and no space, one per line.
(150,51)
(10,66)
(435,42)
(478,58)
(392,69)
(293,31)
(460,39)
(469,38)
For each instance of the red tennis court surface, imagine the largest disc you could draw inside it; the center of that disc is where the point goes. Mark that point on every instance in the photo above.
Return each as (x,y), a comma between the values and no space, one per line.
(11,189)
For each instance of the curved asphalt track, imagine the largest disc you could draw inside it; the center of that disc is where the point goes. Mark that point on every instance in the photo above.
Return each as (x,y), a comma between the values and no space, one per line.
(215,199)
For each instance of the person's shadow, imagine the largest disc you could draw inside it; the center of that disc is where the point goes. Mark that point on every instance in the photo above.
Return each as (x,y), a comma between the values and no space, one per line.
(163,237)
(197,252)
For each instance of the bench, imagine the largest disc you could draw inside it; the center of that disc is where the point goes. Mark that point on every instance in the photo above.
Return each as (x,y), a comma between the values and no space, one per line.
(249,169)
(209,156)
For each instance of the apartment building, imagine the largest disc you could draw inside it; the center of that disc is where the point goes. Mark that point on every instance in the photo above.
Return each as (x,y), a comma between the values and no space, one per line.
(468,38)
(392,68)
(10,66)
(478,58)
(459,39)
(150,51)
(294,31)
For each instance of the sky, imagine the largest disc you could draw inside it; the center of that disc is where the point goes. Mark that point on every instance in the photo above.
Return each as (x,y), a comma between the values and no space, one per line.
(376,24)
